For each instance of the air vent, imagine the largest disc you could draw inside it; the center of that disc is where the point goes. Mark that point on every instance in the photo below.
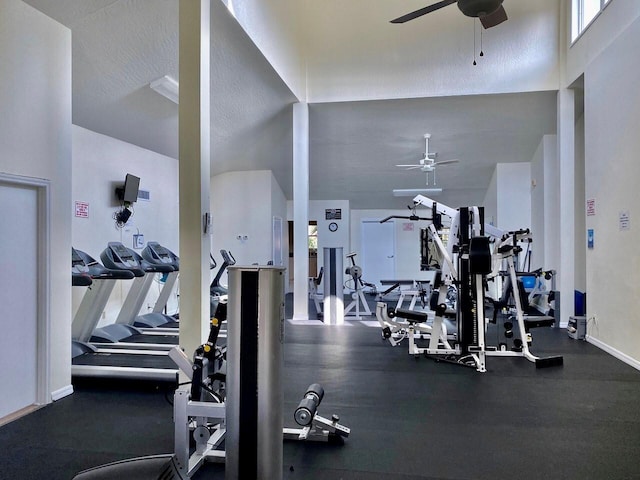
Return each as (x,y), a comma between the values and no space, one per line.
(144,195)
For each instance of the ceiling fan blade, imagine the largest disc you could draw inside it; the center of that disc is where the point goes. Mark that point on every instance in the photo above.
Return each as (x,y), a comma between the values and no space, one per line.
(409,165)
(414,167)
(445,162)
(495,18)
(423,11)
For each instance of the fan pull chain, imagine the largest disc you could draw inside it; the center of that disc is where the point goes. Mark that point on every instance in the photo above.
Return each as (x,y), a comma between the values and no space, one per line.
(481,52)
(474,42)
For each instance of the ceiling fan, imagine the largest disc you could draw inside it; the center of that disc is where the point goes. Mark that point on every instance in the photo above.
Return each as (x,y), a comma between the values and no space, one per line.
(428,161)
(490,12)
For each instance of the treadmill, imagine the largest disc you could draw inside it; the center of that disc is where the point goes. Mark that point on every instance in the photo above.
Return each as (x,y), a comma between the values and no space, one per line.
(156,254)
(122,333)
(91,361)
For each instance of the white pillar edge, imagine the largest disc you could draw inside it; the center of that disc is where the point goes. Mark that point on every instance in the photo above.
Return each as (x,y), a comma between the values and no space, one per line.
(300,211)
(194,170)
(566,162)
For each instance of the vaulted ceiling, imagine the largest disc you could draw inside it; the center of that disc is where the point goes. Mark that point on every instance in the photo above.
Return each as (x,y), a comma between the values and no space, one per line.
(374,89)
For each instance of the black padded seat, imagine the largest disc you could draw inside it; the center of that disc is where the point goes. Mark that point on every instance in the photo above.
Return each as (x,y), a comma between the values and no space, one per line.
(144,468)
(535,321)
(399,282)
(412,316)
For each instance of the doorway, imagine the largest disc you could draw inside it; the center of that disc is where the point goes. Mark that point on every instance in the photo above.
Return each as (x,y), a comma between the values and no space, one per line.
(23,276)
(378,244)
(312,242)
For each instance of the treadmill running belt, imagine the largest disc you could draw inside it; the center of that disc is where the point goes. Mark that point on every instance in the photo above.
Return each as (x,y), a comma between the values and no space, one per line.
(175,324)
(125,360)
(143,338)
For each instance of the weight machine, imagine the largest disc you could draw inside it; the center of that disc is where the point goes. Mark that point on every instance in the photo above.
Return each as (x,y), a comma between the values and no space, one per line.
(467,261)
(201,411)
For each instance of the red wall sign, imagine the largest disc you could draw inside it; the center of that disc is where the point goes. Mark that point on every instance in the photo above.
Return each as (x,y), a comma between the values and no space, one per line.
(82,209)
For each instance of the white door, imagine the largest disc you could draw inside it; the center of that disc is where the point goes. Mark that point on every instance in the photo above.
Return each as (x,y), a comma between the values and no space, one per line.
(18,297)
(378,251)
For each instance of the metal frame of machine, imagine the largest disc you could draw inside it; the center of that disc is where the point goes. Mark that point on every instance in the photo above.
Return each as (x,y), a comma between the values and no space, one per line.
(467,262)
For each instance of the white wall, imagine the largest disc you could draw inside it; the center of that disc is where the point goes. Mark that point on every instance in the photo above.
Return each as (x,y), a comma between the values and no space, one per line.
(552,227)
(537,207)
(35,141)
(611,120)
(352,52)
(580,276)
(507,202)
(490,203)
(327,51)
(279,209)
(614,19)
(100,163)
(544,205)
(244,203)
(514,195)
(275,28)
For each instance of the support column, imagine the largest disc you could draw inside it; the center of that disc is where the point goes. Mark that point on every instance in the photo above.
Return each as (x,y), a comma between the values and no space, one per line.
(194,167)
(566,217)
(300,211)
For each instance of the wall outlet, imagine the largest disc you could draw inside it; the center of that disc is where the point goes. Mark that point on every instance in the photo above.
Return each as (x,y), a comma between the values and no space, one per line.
(138,241)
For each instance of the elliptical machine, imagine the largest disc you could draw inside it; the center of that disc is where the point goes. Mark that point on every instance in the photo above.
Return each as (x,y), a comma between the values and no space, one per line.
(215,288)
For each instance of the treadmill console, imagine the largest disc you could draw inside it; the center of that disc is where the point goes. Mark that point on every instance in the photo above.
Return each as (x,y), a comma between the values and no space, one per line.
(122,255)
(156,253)
(161,253)
(77,263)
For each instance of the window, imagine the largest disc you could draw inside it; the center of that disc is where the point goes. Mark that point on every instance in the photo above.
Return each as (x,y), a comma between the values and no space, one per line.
(582,14)
(313,239)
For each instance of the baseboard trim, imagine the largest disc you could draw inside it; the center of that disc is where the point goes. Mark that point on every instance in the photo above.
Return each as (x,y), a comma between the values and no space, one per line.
(61,393)
(612,351)
(20,413)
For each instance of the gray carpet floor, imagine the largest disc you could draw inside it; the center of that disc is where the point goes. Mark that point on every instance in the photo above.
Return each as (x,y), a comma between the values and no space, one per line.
(410,419)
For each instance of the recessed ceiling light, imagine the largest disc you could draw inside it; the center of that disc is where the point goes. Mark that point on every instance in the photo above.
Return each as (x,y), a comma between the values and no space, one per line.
(167,87)
(412,192)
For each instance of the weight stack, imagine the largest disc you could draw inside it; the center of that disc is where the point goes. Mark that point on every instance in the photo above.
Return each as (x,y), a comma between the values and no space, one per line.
(255,335)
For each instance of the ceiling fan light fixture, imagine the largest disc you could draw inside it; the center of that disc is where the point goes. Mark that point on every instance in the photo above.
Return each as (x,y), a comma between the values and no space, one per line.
(166,86)
(412,192)
(478,8)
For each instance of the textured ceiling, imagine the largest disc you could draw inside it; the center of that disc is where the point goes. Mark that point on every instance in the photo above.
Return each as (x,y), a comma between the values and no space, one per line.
(119,46)
(353,52)
(356,145)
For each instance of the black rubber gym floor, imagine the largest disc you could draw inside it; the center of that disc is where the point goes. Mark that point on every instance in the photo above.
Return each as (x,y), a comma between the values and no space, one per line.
(410,419)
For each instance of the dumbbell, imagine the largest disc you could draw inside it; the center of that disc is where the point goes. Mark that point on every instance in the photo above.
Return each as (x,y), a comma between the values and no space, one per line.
(307,407)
